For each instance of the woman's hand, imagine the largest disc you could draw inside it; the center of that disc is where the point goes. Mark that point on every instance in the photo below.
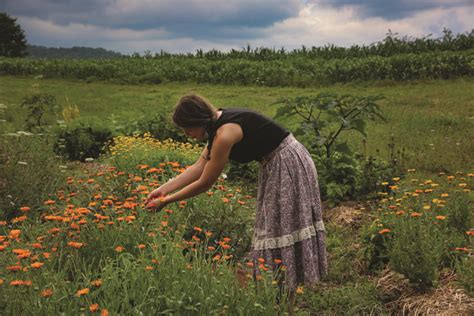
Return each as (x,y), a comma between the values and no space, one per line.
(155,194)
(157,204)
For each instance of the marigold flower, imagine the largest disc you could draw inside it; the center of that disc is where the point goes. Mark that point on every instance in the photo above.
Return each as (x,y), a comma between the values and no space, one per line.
(82,292)
(21,282)
(94,307)
(440,217)
(299,290)
(49,202)
(15,268)
(76,245)
(46,292)
(37,265)
(14,234)
(104,312)
(119,248)
(25,208)
(97,283)
(384,231)
(415,214)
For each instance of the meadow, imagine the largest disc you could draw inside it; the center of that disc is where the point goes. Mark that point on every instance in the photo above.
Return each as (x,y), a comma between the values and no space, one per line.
(75,238)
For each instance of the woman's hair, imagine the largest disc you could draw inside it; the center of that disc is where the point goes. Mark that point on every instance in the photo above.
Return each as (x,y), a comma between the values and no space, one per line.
(193,111)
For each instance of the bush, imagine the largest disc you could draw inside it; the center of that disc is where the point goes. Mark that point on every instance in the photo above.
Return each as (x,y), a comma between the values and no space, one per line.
(82,140)
(29,172)
(465,274)
(415,250)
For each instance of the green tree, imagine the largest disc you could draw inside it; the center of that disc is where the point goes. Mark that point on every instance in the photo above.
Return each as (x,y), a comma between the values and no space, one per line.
(12,37)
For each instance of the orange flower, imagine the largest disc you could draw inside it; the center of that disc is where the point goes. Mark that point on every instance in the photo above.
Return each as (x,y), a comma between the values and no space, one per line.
(37,265)
(470,233)
(384,231)
(49,202)
(97,283)
(441,217)
(461,249)
(225,246)
(104,312)
(299,290)
(76,245)
(25,208)
(415,214)
(119,248)
(211,248)
(141,246)
(277,261)
(198,229)
(14,234)
(249,264)
(225,200)
(81,292)
(47,293)
(148,268)
(226,239)
(15,268)
(19,219)
(241,202)
(94,308)
(261,260)
(21,282)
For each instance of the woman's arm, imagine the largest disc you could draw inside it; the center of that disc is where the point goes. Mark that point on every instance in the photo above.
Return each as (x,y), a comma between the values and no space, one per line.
(226,136)
(190,175)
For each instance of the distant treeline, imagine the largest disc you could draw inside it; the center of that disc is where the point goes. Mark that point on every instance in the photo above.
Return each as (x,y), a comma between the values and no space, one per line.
(76,52)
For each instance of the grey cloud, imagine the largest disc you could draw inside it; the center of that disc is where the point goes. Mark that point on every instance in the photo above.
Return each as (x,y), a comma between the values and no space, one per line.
(199,19)
(393,10)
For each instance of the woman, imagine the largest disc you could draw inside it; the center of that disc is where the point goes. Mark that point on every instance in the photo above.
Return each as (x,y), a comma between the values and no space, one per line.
(289,224)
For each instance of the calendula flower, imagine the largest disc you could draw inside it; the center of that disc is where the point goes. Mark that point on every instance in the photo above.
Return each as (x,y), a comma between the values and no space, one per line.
(76,245)
(96,283)
(46,293)
(94,307)
(82,292)
(37,265)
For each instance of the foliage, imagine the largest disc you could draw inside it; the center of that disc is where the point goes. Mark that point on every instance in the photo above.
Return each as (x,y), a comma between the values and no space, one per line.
(465,274)
(81,140)
(38,107)
(29,172)
(417,230)
(297,71)
(322,119)
(38,51)
(12,37)
(159,124)
(350,299)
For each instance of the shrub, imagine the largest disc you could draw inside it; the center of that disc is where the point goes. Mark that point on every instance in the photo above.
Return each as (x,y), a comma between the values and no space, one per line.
(415,250)
(29,172)
(322,120)
(465,274)
(82,140)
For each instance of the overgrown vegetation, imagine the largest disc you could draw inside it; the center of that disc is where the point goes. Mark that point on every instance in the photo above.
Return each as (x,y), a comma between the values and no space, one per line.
(391,59)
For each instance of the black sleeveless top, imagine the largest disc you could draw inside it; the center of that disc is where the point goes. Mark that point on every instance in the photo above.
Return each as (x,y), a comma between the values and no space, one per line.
(261,134)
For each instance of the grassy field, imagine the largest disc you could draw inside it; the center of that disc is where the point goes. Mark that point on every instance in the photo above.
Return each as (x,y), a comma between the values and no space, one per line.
(431,122)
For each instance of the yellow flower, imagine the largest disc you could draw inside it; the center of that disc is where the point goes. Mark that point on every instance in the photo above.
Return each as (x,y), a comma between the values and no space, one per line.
(299,290)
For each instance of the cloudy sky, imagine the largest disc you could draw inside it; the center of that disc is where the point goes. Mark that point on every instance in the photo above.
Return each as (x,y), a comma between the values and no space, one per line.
(129,26)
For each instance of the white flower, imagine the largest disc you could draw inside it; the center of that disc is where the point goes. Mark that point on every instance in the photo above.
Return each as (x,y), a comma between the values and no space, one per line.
(89,160)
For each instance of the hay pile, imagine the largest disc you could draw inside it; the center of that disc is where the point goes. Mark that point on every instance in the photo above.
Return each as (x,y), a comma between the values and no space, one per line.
(401,298)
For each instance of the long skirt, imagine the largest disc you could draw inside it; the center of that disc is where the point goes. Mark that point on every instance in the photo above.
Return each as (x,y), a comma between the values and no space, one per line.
(289,231)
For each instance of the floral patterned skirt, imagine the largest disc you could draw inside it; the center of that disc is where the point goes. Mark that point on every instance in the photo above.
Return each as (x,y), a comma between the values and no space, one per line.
(289,230)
